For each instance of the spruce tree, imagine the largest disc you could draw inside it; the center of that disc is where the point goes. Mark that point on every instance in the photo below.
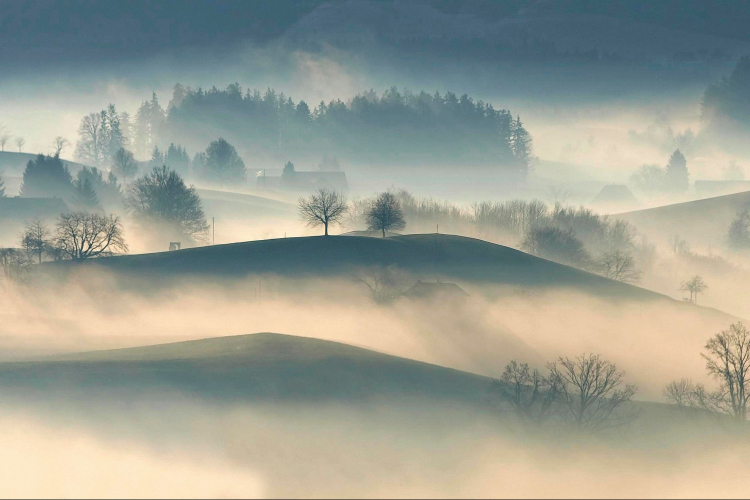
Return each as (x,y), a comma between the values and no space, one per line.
(677,173)
(84,194)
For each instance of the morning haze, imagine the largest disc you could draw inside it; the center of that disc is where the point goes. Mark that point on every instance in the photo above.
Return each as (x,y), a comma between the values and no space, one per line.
(360,248)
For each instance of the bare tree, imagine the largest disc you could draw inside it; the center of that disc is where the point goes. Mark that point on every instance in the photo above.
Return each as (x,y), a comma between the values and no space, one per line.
(619,265)
(592,391)
(682,393)
(694,285)
(59,144)
(35,238)
(385,284)
(4,138)
(20,141)
(14,264)
(385,214)
(161,197)
(124,164)
(91,145)
(728,361)
(323,208)
(531,395)
(678,245)
(82,236)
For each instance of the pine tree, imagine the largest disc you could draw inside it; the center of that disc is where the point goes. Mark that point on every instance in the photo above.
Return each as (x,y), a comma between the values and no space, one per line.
(677,173)
(46,177)
(157,157)
(521,145)
(115,139)
(84,194)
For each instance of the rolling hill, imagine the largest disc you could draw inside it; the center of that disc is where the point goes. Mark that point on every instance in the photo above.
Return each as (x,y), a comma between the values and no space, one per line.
(424,256)
(239,205)
(263,366)
(696,221)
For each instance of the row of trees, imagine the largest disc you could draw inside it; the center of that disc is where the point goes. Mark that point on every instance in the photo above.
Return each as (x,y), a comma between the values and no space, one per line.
(587,391)
(326,207)
(590,393)
(389,126)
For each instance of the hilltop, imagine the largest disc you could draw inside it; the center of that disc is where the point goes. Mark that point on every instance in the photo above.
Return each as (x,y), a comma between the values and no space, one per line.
(428,256)
(704,220)
(263,366)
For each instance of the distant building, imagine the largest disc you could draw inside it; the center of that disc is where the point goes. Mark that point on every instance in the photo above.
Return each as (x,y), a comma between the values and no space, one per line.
(615,197)
(301,181)
(708,189)
(438,289)
(22,209)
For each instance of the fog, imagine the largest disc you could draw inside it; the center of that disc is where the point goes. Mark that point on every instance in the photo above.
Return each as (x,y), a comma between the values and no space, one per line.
(360,383)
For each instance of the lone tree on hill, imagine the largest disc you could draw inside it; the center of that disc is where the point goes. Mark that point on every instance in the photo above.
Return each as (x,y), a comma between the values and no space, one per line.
(385,214)
(82,236)
(4,138)
(59,144)
(591,391)
(323,208)
(20,142)
(694,285)
(162,197)
(35,238)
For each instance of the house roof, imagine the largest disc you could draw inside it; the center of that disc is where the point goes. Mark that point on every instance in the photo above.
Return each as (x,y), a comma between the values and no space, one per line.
(27,208)
(422,289)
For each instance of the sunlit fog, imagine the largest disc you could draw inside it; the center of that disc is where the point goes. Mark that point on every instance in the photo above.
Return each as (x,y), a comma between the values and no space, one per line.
(374,248)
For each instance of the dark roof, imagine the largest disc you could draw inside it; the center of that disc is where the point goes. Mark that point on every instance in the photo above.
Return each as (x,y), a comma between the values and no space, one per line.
(422,289)
(306,181)
(28,208)
(615,193)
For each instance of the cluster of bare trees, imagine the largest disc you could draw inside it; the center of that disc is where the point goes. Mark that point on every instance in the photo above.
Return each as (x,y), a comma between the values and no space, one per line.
(325,208)
(727,356)
(75,236)
(587,392)
(694,285)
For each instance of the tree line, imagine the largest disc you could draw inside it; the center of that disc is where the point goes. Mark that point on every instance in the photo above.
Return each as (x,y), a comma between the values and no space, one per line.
(391,126)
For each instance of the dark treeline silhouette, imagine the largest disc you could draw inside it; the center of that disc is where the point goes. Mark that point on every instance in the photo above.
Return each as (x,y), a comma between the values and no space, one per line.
(392,127)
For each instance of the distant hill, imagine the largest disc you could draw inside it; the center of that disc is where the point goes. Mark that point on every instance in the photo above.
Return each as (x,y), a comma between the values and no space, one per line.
(428,256)
(238,205)
(702,221)
(15,163)
(263,366)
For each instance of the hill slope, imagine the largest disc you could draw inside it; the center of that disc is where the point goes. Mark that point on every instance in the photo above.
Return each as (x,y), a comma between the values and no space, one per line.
(261,366)
(704,220)
(428,256)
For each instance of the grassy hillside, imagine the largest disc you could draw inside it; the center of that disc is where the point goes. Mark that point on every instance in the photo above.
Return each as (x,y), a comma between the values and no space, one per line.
(263,366)
(428,256)
(704,220)
(237,205)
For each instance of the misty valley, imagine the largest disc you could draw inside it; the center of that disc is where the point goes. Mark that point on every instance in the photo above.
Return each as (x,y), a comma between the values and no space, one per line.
(374,248)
